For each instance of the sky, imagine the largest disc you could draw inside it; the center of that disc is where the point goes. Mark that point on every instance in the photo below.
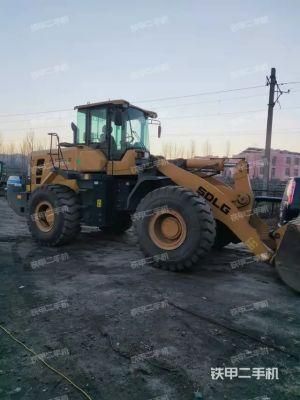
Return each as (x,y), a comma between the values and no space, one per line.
(164,56)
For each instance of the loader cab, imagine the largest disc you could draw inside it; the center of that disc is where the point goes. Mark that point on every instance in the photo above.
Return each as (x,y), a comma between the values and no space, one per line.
(114,127)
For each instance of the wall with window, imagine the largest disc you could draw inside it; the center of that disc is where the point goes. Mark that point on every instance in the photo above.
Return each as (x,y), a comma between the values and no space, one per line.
(284,164)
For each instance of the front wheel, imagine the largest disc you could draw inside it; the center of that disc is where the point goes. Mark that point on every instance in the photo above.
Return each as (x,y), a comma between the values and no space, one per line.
(176,229)
(54,215)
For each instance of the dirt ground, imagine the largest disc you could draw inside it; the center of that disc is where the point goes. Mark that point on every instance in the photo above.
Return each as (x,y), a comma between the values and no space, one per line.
(83,305)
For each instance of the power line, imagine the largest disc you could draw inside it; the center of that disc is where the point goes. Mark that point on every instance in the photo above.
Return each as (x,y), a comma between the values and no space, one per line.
(144,101)
(289,83)
(226,113)
(201,94)
(35,113)
(163,99)
(160,107)
(219,101)
(215,115)
(32,128)
(212,101)
(228,133)
(163,118)
(32,121)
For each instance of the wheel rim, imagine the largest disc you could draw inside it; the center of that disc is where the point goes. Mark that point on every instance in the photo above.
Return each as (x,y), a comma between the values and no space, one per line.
(44,216)
(168,230)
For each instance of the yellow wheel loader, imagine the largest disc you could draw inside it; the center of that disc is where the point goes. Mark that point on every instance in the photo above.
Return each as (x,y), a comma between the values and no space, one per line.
(107,178)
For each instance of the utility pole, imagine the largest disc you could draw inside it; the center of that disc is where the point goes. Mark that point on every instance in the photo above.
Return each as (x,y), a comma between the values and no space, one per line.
(267,158)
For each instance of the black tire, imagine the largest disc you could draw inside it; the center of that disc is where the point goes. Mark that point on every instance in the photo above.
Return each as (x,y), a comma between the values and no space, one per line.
(120,225)
(66,216)
(199,221)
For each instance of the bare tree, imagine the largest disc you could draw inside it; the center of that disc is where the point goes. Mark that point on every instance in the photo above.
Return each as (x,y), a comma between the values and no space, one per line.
(166,150)
(207,148)
(171,150)
(191,152)
(1,145)
(41,145)
(228,148)
(25,149)
(11,154)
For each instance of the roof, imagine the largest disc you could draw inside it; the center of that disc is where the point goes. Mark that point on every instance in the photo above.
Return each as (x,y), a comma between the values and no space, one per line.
(260,150)
(253,150)
(119,102)
(288,152)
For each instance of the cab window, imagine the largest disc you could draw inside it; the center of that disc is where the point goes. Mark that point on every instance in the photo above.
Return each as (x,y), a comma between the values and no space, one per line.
(132,133)
(81,127)
(98,125)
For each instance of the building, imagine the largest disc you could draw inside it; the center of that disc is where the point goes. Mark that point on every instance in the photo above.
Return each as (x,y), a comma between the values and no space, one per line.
(284,164)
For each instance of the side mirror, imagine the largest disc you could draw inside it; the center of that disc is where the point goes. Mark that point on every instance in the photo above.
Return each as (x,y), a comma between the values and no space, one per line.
(159,131)
(118,117)
(74,129)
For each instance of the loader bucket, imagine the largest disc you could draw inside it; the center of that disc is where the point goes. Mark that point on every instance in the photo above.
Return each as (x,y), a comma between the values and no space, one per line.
(287,258)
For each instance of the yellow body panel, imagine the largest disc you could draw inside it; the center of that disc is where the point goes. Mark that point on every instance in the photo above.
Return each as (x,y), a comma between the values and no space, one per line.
(78,158)
(125,166)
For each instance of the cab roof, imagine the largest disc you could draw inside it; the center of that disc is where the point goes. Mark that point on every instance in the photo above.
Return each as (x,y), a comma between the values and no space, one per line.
(119,102)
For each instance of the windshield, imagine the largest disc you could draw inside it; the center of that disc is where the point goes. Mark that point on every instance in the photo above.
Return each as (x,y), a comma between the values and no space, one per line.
(127,129)
(133,133)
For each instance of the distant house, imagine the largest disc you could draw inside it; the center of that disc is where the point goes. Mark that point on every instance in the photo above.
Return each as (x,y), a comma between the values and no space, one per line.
(283,163)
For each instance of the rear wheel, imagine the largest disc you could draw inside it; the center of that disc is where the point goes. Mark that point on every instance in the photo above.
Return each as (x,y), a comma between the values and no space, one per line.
(54,215)
(177,228)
